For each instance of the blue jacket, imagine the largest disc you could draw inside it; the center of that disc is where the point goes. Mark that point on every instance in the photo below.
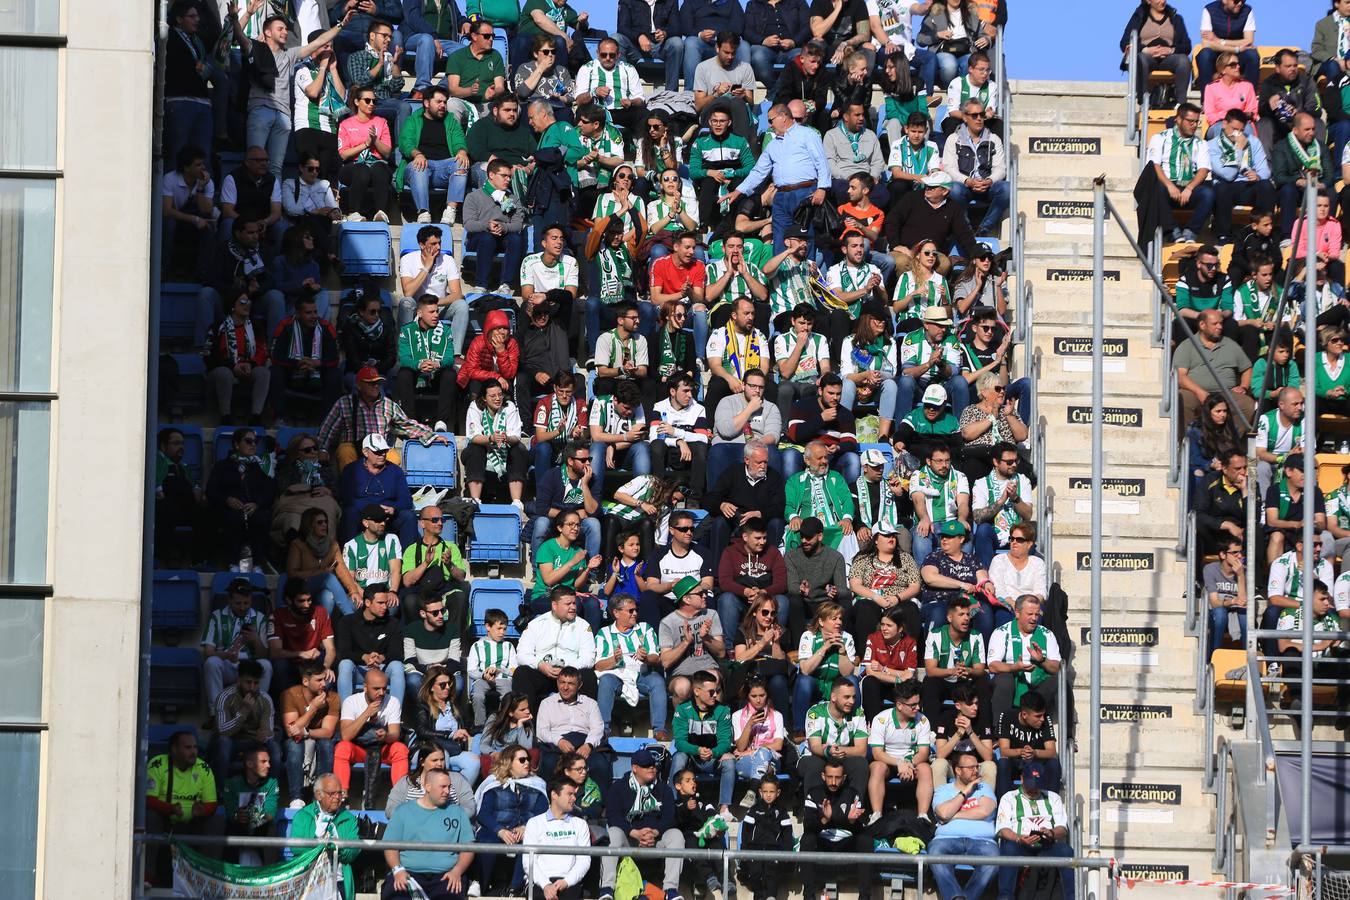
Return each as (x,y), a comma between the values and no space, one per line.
(509,808)
(357,487)
(354,34)
(762,20)
(636,18)
(415,20)
(549,493)
(619,801)
(719,15)
(1260,164)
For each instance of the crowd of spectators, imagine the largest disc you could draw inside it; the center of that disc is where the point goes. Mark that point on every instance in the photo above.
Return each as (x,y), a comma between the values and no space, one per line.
(745,376)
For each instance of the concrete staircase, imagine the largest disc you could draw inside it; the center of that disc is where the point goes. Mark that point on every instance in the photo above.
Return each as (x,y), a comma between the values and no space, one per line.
(1153,811)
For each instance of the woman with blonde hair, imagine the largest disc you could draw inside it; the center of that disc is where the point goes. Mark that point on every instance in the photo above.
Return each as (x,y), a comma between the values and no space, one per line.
(824,655)
(919,287)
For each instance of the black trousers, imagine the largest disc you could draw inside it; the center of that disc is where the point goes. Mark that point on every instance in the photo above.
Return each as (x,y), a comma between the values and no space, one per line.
(666,460)
(368,188)
(443,383)
(475,462)
(936,691)
(1227,194)
(324,145)
(859,842)
(535,685)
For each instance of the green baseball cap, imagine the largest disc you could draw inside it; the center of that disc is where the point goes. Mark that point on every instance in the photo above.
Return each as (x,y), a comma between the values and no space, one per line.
(953,528)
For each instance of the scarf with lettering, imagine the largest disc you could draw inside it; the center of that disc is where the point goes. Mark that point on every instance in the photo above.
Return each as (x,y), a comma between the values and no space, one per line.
(672,350)
(821,507)
(502,198)
(315,346)
(572,493)
(743,360)
(1017,646)
(1229,155)
(616,272)
(1307,159)
(887,511)
(561,418)
(232,333)
(644,799)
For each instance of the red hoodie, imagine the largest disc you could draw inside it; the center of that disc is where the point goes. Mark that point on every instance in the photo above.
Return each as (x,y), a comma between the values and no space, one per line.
(481,362)
(737,561)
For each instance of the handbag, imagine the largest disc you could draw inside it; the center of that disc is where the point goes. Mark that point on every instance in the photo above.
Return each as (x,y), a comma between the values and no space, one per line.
(954,46)
(824,220)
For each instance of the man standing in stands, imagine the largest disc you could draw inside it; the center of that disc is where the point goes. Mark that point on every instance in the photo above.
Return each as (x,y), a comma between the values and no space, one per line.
(375,67)
(1180,159)
(797,166)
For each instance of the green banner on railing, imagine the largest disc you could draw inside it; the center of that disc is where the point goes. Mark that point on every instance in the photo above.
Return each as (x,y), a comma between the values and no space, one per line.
(311,875)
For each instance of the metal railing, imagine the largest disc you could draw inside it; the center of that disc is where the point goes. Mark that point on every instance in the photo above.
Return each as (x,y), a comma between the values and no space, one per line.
(1133,132)
(726,858)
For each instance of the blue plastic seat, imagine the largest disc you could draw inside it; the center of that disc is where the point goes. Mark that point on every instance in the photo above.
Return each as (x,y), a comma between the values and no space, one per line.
(698,514)
(178,310)
(160,733)
(496,534)
(505,594)
(191,394)
(220,583)
(194,446)
(436,465)
(886,451)
(175,599)
(175,677)
(221,440)
(287,434)
(364,248)
(624,748)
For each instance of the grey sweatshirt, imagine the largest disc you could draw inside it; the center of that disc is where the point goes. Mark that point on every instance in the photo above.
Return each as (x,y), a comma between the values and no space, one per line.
(825,568)
(480,209)
(839,154)
(768,421)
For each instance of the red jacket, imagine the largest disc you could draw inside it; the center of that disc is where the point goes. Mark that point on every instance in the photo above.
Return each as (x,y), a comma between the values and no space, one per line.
(737,561)
(218,351)
(481,362)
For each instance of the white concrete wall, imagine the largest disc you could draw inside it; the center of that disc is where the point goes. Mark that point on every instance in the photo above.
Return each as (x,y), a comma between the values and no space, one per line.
(103,250)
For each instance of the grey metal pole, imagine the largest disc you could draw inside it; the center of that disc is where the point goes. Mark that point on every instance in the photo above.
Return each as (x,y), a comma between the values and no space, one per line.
(1309,484)
(1098,319)
(1253,498)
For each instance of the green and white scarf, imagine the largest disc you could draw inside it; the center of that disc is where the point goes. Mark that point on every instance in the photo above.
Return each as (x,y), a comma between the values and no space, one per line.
(572,493)
(915,162)
(854,141)
(930,294)
(1017,647)
(644,799)
(969,91)
(502,198)
(943,504)
(1307,159)
(672,350)
(315,348)
(1229,155)
(1021,810)
(616,273)
(1179,161)
(1339,499)
(887,511)
(1007,515)
(1254,305)
(821,506)
(952,654)
(495,423)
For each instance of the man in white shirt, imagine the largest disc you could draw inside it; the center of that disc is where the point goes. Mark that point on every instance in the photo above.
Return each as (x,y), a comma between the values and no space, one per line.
(552,642)
(550,876)
(431,271)
(735,349)
(370,722)
(613,85)
(1032,822)
(900,739)
(1024,656)
(1181,161)
(893,30)
(680,431)
(569,722)
(620,353)
(999,501)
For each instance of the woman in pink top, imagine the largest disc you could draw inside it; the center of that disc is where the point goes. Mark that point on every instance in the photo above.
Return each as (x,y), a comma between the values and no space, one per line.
(1328,241)
(1228,91)
(758,731)
(366,148)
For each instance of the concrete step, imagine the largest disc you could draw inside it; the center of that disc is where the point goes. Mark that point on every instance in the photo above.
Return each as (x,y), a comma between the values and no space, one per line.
(1187,781)
(1166,862)
(1024,116)
(1144,569)
(1182,717)
(1032,90)
(1134,433)
(1132,824)
(1068,302)
(1116,184)
(1119,161)
(1131,365)
(1073,236)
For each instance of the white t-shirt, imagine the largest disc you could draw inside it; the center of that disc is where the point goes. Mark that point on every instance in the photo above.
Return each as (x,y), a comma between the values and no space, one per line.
(1009,583)
(391,710)
(542,277)
(895,16)
(437,283)
(1207,24)
(176,186)
(900,740)
(1340,594)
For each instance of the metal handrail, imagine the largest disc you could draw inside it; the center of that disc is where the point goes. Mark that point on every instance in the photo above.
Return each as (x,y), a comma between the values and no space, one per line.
(1036,364)
(1256,710)
(1131,102)
(1193,602)
(1222,845)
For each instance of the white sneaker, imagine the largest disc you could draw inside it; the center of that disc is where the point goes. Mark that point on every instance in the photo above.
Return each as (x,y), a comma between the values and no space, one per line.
(424,218)
(449,215)
(297,803)
(504,290)
(355,217)
(872,819)
(381,216)
(520,507)
(474,890)
(440,426)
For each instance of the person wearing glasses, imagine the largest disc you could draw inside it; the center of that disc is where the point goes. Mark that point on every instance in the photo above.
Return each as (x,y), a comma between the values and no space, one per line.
(432,714)
(964,809)
(571,487)
(310,202)
(975,159)
(1203,286)
(657,149)
(976,84)
(545,77)
(613,85)
(235,353)
(475,74)
(551,18)
(1001,498)
(434,569)
(328,817)
(1180,159)
(989,422)
(366,149)
(375,67)
(796,165)
(431,31)
(717,160)
(1018,571)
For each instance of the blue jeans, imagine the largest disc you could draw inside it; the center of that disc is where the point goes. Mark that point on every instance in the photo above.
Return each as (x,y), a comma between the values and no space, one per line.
(590,534)
(650,685)
(330,593)
(458,314)
(909,387)
(1007,875)
(424,47)
(1218,625)
(752,767)
(763,59)
(637,459)
(785,203)
(725,769)
(945,876)
(439,174)
(998,203)
(265,127)
(671,52)
(696,50)
(351,677)
(295,763)
(1019,392)
(467,764)
(887,400)
(188,123)
(805,691)
(986,543)
(731,609)
(950,67)
(484,245)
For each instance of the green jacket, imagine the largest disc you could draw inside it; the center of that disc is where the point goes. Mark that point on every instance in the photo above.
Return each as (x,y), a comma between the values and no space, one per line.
(416,344)
(798,495)
(302,826)
(689,724)
(564,136)
(718,151)
(410,135)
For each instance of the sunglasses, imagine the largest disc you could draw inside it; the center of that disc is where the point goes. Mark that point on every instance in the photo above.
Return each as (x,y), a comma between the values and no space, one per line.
(433,519)
(365,99)
(607,55)
(975,115)
(1018,540)
(655,126)
(581,459)
(768,612)
(310,449)
(435,613)
(682,528)
(547,51)
(623,177)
